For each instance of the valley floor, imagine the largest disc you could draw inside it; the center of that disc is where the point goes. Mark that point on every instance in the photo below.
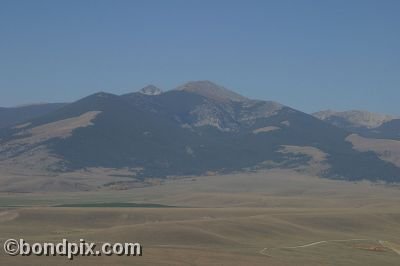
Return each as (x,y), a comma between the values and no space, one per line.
(276,217)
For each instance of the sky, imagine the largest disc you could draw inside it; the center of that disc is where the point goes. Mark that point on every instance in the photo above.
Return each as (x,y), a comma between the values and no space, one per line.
(310,55)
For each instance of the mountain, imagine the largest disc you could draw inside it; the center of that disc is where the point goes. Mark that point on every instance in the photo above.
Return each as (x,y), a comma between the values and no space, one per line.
(150,90)
(354,118)
(211,91)
(364,123)
(15,115)
(198,128)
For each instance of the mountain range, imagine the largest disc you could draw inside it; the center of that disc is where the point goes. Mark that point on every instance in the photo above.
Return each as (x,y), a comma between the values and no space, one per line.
(198,128)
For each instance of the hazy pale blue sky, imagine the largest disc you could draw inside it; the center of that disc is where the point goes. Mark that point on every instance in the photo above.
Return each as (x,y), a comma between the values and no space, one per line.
(310,55)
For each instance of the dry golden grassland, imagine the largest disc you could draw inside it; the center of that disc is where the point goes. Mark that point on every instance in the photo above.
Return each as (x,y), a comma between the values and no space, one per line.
(276,217)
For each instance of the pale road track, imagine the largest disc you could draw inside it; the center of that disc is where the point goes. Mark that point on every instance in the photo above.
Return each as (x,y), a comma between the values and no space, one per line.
(264,250)
(389,245)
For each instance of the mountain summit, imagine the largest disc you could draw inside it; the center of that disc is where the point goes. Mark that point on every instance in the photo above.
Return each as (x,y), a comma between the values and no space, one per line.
(354,118)
(211,91)
(150,90)
(364,123)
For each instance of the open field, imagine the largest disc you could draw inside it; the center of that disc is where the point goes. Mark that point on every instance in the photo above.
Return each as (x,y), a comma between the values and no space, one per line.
(271,218)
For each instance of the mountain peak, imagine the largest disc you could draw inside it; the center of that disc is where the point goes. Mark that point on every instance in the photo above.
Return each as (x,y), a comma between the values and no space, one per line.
(212,91)
(150,90)
(101,94)
(356,118)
